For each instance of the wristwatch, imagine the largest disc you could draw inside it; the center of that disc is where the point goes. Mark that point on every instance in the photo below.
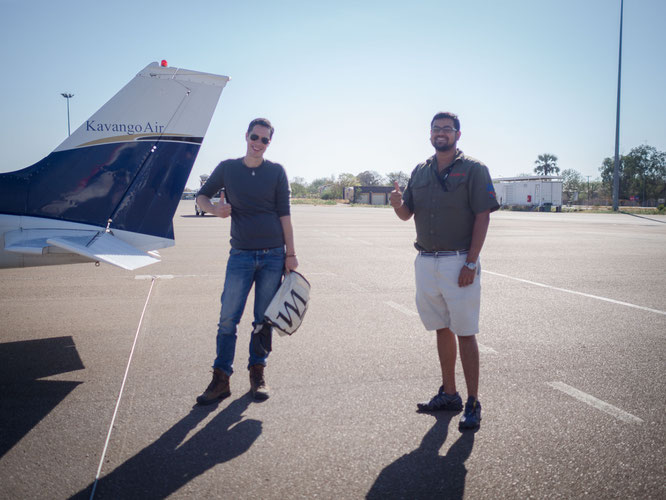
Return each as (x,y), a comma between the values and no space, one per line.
(471,266)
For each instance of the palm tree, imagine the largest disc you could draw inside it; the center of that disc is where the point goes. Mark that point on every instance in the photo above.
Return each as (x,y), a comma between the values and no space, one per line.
(546,164)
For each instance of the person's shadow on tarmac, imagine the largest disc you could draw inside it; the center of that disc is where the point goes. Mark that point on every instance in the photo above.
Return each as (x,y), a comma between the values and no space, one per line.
(166,465)
(423,473)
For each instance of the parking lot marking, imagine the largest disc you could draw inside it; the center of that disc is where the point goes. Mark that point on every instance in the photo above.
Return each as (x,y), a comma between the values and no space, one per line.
(484,349)
(326,233)
(356,240)
(356,287)
(172,276)
(405,310)
(613,301)
(402,309)
(596,403)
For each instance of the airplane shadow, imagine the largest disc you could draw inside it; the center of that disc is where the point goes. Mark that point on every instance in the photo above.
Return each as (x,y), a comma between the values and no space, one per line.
(166,465)
(25,400)
(424,473)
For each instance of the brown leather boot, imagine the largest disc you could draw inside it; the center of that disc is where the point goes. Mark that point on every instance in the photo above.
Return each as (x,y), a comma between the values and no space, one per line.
(257,383)
(217,389)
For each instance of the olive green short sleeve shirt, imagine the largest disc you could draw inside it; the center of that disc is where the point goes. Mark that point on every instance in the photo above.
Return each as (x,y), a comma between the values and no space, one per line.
(444,209)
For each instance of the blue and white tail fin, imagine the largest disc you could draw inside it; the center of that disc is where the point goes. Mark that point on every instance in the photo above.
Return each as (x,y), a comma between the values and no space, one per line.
(110,190)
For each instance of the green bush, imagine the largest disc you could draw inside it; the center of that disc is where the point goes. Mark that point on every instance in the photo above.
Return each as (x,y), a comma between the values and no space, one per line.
(312,201)
(517,208)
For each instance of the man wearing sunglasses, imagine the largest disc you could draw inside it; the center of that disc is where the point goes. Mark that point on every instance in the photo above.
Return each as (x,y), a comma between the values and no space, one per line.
(450,196)
(256,196)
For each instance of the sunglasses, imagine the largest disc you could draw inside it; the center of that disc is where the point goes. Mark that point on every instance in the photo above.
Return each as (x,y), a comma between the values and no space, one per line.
(265,140)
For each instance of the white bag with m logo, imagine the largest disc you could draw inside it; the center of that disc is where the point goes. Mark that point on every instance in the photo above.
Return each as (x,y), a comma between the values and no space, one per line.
(287,309)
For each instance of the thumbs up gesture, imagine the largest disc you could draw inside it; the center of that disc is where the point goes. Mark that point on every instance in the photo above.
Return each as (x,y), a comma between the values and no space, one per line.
(223,209)
(395,198)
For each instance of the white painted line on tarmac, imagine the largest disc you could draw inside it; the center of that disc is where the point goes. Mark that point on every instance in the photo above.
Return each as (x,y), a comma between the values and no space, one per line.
(405,310)
(484,349)
(613,301)
(596,403)
(402,309)
(362,242)
(357,287)
(172,276)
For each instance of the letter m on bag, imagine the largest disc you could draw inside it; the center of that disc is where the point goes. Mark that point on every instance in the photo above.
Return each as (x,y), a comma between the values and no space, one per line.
(285,315)
(289,305)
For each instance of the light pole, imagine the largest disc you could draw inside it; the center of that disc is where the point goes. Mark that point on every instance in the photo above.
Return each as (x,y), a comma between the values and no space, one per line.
(616,169)
(67,96)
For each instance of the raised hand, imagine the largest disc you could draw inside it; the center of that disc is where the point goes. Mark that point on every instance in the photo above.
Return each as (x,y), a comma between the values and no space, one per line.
(395,198)
(223,209)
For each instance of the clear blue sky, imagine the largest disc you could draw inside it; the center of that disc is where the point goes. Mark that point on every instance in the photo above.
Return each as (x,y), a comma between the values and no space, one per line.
(352,85)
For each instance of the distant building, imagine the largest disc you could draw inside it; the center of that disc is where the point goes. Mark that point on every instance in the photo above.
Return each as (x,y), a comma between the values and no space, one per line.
(369,195)
(535,191)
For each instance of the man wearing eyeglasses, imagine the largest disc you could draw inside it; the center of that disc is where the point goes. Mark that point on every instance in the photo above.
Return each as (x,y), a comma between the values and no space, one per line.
(256,197)
(450,196)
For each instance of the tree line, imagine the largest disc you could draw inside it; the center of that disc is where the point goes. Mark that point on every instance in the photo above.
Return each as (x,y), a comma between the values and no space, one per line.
(334,188)
(642,180)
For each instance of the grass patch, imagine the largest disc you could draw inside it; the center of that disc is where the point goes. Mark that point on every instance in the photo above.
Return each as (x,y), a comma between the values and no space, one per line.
(365,205)
(588,209)
(591,209)
(315,201)
(319,201)
(609,210)
(518,208)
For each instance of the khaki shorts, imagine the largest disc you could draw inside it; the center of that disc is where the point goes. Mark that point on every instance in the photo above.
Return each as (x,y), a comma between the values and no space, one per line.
(440,301)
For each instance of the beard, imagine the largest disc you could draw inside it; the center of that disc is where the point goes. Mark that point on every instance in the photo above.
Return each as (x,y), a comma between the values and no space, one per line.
(444,147)
(448,147)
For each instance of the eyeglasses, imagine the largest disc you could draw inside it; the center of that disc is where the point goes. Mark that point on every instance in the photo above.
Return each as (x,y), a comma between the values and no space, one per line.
(446,130)
(255,137)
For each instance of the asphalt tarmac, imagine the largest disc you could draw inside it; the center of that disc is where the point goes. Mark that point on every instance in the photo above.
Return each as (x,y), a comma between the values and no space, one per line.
(573,357)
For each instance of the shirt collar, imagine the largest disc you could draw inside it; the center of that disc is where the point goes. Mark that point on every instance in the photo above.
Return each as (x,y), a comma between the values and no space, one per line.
(460,156)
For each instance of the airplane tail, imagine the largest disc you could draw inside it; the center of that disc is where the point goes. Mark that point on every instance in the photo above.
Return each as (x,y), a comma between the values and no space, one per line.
(124,168)
(129,162)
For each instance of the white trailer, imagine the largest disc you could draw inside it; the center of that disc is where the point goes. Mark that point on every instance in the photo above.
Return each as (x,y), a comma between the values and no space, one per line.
(535,191)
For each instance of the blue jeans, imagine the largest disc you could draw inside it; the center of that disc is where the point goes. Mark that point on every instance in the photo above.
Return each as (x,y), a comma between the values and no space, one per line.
(264,268)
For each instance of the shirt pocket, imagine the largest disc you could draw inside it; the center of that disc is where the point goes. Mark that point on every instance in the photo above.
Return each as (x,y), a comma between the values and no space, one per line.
(420,193)
(421,182)
(456,196)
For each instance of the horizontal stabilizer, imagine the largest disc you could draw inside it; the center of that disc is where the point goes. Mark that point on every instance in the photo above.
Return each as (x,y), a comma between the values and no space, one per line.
(95,245)
(107,248)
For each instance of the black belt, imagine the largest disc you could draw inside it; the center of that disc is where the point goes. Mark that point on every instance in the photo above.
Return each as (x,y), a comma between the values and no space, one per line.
(443,253)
